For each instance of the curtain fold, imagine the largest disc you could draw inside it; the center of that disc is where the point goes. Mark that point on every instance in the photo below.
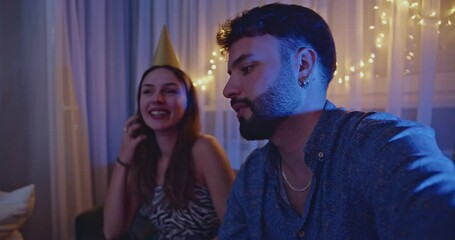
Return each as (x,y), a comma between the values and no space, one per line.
(428,48)
(70,163)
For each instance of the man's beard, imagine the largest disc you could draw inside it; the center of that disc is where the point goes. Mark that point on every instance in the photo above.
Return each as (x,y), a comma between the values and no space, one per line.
(270,108)
(258,127)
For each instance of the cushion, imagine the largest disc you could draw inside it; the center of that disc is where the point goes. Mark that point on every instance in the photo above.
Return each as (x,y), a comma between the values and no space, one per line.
(15,208)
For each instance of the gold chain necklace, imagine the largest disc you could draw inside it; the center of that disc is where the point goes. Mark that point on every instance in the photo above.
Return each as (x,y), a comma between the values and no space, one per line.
(289,184)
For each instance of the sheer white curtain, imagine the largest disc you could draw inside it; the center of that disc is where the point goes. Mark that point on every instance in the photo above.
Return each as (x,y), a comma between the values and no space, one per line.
(392,55)
(91,95)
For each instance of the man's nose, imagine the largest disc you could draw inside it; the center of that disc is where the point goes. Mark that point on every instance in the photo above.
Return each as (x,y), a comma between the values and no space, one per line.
(232,88)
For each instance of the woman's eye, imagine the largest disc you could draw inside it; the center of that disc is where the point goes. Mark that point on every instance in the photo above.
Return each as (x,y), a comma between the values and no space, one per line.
(146,91)
(170,91)
(247,69)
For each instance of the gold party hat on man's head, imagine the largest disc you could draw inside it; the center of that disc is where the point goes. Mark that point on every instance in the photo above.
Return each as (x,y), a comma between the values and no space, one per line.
(164,52)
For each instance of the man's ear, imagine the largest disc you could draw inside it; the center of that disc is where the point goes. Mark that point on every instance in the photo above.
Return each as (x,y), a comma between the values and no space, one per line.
(306,60)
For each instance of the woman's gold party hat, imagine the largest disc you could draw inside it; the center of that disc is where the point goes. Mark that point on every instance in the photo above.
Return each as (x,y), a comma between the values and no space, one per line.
(164,52)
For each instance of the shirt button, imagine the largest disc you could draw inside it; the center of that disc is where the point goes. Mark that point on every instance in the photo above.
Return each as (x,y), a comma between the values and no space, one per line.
(301,233)
(320,154)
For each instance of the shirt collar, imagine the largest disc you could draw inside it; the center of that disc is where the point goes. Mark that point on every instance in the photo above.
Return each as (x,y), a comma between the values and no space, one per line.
(317,147)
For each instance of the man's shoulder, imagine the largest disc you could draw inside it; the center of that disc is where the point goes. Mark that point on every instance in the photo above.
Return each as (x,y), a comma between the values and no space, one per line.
(389,125)
(383,134)
(366,131)
(374,122)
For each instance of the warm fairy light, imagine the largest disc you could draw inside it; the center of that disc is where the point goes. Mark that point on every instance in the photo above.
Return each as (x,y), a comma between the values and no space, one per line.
(384,16)
(440,22)
(202,83)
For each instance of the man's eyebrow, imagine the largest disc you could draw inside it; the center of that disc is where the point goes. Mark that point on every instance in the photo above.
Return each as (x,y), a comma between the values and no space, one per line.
(238,61)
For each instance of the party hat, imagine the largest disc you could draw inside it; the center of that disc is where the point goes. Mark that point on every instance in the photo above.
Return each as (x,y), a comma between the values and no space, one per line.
(164,52)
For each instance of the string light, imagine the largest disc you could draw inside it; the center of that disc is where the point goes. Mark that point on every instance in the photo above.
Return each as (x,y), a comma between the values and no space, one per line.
(418,17)
(202,82)
(384,19)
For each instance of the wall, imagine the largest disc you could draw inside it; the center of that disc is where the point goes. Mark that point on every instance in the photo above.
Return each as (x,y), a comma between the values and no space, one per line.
(24,108)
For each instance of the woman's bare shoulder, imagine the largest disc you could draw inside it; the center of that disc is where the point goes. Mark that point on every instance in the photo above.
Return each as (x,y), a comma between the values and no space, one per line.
(209,158)
(206,143)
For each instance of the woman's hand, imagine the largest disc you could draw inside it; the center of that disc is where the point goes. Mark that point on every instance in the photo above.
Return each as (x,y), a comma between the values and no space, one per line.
(132,136)
(122,202)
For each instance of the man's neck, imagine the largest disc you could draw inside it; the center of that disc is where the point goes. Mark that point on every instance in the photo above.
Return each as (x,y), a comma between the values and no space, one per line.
(292,135)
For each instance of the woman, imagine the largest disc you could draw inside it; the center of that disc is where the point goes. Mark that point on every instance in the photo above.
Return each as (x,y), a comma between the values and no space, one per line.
(174,175)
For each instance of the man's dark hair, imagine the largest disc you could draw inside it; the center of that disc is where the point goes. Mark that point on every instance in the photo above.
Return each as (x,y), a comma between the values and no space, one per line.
(295,26)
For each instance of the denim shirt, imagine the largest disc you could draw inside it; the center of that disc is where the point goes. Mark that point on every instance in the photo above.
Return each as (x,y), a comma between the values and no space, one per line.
(374,177)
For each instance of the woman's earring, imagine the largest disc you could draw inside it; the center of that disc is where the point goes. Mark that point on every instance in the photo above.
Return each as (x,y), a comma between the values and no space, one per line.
(305,83)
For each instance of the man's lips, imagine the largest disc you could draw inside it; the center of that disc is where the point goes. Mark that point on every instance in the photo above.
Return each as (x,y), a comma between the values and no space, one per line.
(239,104)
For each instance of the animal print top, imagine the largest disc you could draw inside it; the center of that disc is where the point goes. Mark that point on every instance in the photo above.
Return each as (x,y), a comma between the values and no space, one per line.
(197,221)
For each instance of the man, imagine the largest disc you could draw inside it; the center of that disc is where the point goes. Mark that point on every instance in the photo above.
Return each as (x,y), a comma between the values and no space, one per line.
(326,173)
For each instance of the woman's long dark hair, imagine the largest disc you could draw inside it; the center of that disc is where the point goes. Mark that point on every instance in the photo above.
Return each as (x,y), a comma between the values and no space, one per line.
(180,179)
